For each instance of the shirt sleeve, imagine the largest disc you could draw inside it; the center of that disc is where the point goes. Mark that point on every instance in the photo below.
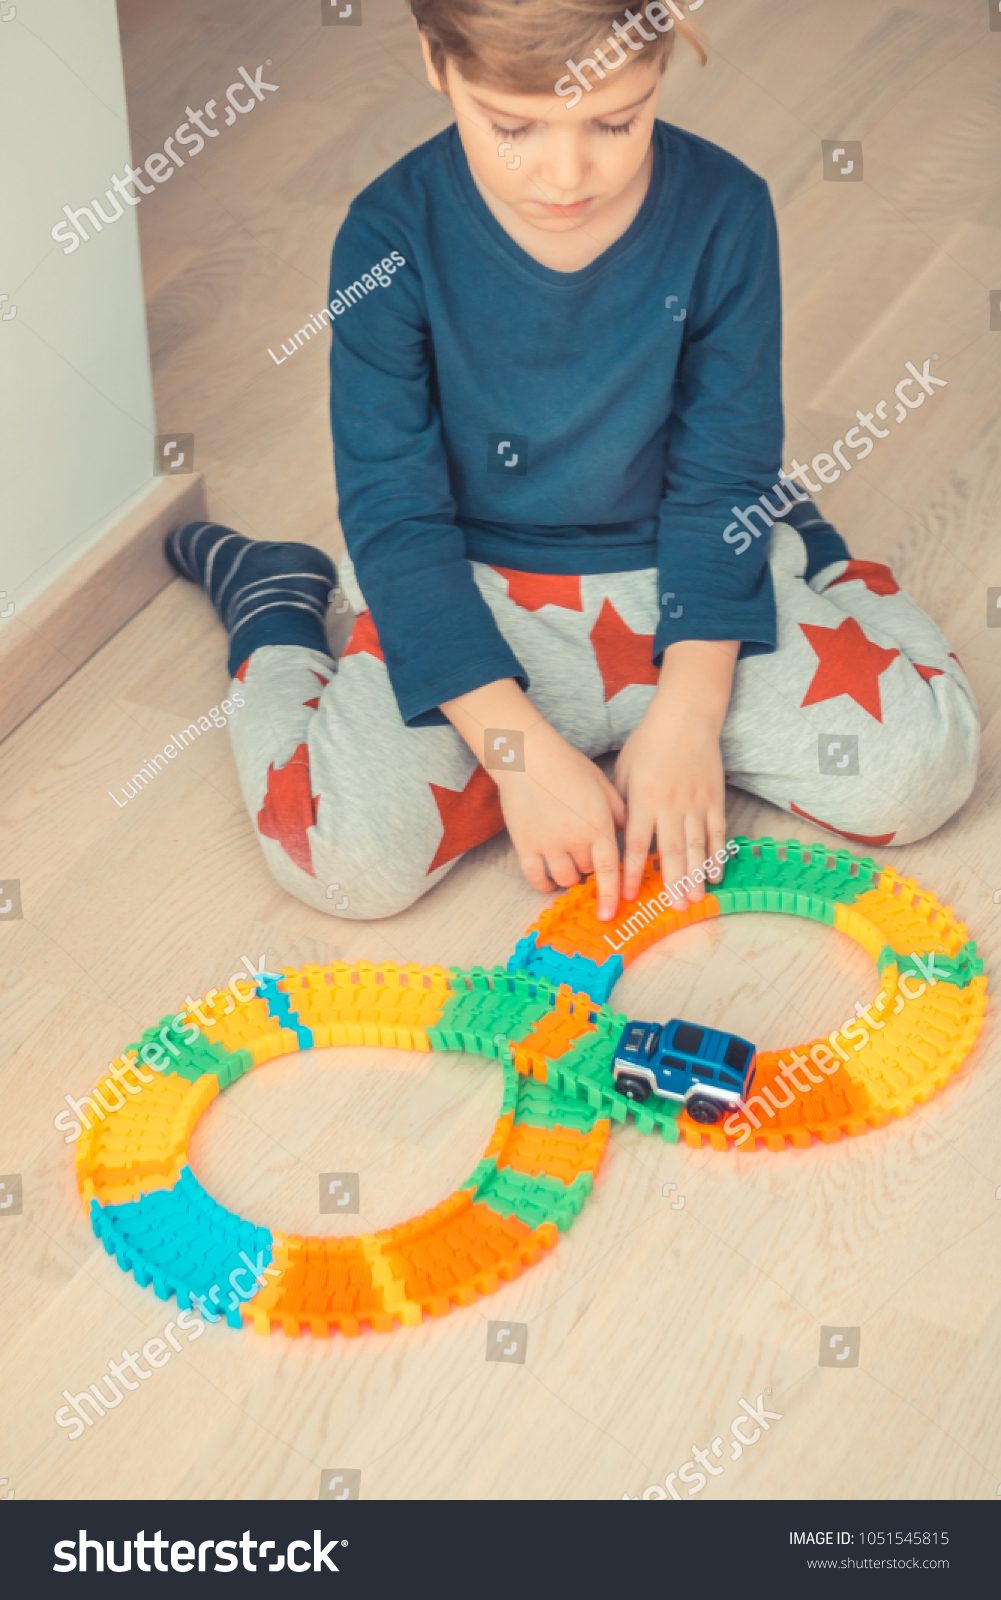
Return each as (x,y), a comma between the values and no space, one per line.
(724,445)
(438,635)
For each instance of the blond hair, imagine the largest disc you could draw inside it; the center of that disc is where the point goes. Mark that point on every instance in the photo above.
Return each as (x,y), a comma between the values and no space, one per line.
(523,45)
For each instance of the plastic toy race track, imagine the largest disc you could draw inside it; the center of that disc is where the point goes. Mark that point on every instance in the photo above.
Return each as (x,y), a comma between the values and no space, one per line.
(546,1021)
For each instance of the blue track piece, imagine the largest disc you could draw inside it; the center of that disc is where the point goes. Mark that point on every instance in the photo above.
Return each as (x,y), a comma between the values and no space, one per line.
(583,975)
(184,1243)
(280,1006)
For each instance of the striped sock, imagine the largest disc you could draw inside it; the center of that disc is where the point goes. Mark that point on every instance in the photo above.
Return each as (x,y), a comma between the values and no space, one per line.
(264,592)
(824,543)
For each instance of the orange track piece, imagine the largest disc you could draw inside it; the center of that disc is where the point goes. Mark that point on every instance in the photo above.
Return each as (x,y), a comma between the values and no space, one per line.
(466,1254)
(447,1257)
(558,1152)
(571,925)
(500,1135)
(324,1283)
(553,1034)
(838,1106)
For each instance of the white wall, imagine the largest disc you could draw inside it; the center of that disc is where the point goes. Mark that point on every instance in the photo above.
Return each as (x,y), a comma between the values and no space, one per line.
(76,405)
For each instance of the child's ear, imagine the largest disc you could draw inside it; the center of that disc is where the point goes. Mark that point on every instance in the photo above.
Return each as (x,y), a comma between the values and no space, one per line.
(434,80)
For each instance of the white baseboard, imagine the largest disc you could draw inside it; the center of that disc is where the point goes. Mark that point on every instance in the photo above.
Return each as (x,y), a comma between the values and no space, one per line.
(55,634)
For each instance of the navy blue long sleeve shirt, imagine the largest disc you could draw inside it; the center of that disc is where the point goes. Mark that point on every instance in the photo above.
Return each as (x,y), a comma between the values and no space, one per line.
(638,425)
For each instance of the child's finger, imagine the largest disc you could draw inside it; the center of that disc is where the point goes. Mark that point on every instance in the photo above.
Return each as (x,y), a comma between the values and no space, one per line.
(605,857)
(534,868)
(616,804)
(671,844)
(695,850)
(563,869)
(639,831)
(717,841)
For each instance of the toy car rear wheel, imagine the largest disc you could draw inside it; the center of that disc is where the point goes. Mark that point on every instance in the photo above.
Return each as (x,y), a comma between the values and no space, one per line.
(701,1109)
(633,1087)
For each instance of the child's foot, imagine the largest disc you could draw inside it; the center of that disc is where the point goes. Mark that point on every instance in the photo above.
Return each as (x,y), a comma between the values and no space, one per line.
(264,592)
(823,542)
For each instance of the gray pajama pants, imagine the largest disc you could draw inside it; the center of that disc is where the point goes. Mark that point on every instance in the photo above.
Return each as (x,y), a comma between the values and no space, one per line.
(861,723)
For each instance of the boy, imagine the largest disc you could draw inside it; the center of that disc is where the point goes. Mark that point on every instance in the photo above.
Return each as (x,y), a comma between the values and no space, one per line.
(557,424)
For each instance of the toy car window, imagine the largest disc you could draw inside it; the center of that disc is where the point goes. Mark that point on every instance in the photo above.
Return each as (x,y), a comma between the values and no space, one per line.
(732,1078)
(634,1038)
(651,1040)
(672,1064)
(688,1038)
(703,1072)
(736,1055)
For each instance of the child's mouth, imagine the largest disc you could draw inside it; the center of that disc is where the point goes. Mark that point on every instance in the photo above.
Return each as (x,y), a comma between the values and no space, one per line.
(564,211)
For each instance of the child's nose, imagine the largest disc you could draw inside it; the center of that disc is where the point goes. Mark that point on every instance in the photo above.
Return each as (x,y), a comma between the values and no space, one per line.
(564,170)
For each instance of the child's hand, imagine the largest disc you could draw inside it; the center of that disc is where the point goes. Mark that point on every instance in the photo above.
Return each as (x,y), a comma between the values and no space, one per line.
(670,772)
(561,811)
(562,814)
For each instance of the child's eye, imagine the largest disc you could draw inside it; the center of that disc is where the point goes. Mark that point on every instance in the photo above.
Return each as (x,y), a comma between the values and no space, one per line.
(511,133)
(615,127)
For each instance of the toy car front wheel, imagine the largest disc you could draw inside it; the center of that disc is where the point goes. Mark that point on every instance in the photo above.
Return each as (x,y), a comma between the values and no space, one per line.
(633,1087)
(701,1109)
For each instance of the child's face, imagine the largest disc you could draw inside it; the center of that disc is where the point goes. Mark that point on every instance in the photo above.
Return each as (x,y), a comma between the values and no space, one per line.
(557,167)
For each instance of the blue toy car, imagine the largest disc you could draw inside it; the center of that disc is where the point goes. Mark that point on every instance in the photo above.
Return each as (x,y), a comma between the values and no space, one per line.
(709,1071)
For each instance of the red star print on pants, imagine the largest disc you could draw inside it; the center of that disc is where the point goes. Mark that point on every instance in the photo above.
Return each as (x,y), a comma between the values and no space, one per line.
(877,579)
(314,704)
(858,838)
(289,809)
(364,640)
(533,590)
(468,816)
(848,663)
(623,657)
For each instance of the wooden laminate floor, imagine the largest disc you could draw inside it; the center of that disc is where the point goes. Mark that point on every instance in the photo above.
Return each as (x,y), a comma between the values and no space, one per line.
(649,1323)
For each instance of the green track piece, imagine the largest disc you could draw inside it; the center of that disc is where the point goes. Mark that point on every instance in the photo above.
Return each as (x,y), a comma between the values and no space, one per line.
(588,1061)
(239,1062)
(542,1105)
(482,1174)
(960,969)
(535,1200)
(799,905)
(511,1089)
(194,1060)
(585,1073)
(775,870)
(474,1016)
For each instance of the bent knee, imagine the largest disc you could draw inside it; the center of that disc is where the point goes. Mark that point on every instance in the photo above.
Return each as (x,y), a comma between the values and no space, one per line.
(911,799)
(350,893)
(938,772)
